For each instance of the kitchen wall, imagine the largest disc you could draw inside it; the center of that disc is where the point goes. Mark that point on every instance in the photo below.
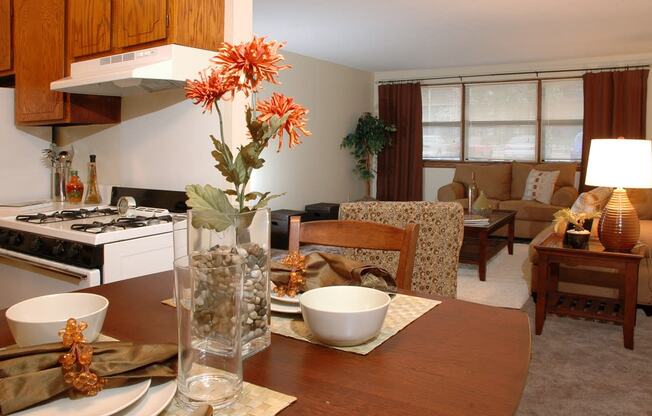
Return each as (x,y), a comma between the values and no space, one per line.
(163,142)
(434,178)
(23,177)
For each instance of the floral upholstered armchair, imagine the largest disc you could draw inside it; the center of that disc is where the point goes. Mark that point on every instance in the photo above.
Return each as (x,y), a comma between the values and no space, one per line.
(438,247)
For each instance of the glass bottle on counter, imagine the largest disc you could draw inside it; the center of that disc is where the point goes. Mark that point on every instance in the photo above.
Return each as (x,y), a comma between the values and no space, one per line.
(93,194)
(472,193)
(74,188)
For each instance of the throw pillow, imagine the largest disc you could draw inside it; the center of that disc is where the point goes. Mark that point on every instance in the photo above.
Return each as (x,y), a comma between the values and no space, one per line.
(540,186)
(591,201)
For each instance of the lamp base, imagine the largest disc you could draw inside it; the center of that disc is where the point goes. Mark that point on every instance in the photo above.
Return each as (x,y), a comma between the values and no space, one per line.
(619,228)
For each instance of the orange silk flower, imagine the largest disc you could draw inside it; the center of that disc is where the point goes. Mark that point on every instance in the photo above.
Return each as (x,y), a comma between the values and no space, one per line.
(280,105)
(248,64)
(208,89)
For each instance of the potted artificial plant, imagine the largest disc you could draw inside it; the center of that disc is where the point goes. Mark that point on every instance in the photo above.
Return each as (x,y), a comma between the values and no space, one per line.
(369,139)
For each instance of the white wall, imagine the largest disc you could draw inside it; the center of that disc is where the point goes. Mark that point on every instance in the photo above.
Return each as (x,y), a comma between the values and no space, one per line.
(23,177)
(163,141)
(317,170)
(436,177)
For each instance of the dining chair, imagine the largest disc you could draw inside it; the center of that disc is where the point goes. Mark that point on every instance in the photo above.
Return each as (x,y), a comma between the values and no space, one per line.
(360,234)
(441,230)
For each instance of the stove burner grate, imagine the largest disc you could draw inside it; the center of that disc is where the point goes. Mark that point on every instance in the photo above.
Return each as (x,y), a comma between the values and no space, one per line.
(122,223)
(67,215)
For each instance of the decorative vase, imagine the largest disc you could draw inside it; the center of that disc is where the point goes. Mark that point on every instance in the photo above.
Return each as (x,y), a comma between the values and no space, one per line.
(245,242)
(482,206)
(578,239)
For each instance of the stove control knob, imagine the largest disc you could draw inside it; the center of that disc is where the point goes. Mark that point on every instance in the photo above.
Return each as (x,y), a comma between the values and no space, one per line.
(15,240)
(37,244)
(58,249)
(73,251)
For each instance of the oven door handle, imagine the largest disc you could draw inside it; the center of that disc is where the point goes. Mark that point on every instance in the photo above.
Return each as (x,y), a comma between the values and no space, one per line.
(68,270)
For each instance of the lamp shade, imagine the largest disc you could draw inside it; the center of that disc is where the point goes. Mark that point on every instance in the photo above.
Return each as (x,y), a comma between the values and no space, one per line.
(620,163)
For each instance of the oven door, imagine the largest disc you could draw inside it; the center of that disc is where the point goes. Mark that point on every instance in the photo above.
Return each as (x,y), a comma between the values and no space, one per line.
(23,276)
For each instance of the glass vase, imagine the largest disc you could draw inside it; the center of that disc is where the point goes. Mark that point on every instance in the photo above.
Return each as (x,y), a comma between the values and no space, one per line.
(246,242)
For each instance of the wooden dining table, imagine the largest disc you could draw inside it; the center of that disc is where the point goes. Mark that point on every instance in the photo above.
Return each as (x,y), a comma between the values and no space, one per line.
(460,358)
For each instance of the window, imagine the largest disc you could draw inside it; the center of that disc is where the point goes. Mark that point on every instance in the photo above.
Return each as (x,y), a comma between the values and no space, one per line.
(504,121)
(442,122)
(562,114)
(501,121)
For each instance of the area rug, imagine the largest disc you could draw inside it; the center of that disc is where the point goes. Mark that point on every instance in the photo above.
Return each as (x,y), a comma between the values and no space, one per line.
(504,285)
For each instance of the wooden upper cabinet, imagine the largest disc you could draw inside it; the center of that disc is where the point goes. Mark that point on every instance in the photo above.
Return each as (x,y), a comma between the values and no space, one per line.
(89,27)
(139,21)
(6,58)
(40,58)
(40,28)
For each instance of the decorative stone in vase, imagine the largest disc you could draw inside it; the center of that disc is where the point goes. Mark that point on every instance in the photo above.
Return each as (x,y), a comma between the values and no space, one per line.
(247,242)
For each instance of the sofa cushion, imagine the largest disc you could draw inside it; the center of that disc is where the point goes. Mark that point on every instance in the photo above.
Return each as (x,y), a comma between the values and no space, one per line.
(529,210)
(592,201)
(520,172)
(494,179)
(540,185)
(642,201)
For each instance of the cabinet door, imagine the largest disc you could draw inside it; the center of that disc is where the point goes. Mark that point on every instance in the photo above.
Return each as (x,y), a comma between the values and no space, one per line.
(138,21)
(5,35)
(39,43)
(89,26)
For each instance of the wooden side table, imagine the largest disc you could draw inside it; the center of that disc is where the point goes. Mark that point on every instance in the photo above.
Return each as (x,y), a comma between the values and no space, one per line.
(552,252)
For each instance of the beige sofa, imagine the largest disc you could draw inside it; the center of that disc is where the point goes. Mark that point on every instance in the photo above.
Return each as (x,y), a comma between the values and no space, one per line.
(504,185)
(599,281)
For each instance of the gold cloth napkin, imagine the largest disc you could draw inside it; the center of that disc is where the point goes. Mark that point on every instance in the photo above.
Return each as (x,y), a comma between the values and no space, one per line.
(329,269)
(30,375)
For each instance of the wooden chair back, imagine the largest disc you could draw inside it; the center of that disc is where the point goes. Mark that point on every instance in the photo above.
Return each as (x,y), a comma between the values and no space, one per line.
(360,234)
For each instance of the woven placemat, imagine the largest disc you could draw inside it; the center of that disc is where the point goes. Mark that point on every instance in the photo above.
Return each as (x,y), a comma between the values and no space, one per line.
(402,311)
(253,401)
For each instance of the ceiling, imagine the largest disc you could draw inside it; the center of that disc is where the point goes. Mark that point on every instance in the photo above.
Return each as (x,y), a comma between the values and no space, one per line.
(382,35)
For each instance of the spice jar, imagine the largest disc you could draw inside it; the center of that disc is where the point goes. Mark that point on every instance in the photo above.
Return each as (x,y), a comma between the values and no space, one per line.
(74,188)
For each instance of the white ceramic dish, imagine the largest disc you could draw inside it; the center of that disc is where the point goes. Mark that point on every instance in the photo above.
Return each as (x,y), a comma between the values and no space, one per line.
(157,398)
(344,316)
(285,299)
(106,403)
(282,307)
(38,320)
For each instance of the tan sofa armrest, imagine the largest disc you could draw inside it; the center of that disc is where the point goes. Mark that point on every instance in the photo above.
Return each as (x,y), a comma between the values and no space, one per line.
(450,192)
(564,196)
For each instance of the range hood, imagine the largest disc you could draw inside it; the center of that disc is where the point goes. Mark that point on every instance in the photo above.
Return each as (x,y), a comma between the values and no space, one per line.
(136,72)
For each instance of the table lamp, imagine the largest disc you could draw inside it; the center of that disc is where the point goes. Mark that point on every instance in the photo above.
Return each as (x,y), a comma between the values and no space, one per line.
(619,163)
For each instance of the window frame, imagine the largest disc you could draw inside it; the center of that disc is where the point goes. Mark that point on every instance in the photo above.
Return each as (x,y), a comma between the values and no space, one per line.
(438,163)
(459,124)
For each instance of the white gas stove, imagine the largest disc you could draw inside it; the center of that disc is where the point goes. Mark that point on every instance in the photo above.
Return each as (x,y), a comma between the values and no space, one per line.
(71,248)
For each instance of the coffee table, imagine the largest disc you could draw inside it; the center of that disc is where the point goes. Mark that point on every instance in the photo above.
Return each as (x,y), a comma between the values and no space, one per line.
(478,247)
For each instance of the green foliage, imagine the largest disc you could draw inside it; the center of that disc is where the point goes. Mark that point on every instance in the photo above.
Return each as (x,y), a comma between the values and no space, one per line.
(370,138)
(211,206)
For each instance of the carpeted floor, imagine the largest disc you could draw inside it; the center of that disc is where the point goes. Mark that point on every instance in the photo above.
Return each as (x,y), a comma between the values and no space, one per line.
(578,367)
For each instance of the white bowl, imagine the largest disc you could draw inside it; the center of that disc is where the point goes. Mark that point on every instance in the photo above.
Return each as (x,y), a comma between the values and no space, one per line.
(344,316)
(38,320)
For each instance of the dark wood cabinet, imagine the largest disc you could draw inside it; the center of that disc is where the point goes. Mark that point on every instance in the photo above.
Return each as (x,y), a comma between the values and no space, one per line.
(6,41)
(39,60)
(139,21)
(107,27)
(89,23)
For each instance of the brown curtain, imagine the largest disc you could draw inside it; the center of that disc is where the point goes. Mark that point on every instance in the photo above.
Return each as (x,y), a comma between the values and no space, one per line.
(400,166)
(614,106)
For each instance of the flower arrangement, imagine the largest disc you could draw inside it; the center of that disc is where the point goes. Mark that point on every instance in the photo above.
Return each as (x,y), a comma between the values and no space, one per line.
(565,216)
(242,68)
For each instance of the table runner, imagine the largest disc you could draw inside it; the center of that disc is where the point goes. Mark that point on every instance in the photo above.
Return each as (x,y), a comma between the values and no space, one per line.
(402,311)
